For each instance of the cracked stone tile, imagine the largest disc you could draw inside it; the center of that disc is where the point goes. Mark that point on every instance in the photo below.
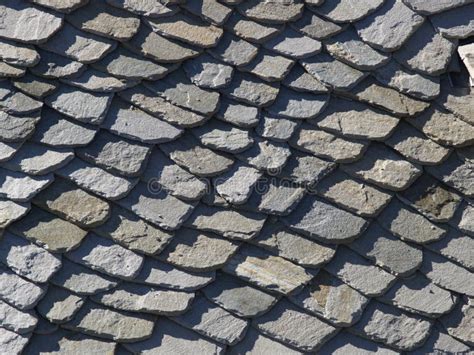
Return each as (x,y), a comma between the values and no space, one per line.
(289,325)
(418,295)
(299,80)
(426,7)
(298,105)
(207,72)
(81,280)
(457,101)
(250,30)
(61,5)
(54,66)
(415,146)
(11,342)
(238,297)
(15,128)
(349,48)
(25,23)
(77,45)
(114,154)
(388,325)
(157,207)
(447,274)
(359,273)
(34,159)
(441,341)
(332,72)
(266,155)
(21,294)
(238,114)
(103,20)
(271,11)
(35,86)
(237,184)
(294,44)
(347,10)
(321,221)
(455,23)
(97,81)
(347,343)
(214,322)
(47,230)
(12,211)
(102,322)
(159,107)
(177,89)
(431,198)
(59,305)
(234,50)
(269,66)
(251,90)
(222,136)
(390,26)
(199,160)
(73,204)
(357,197)
(144,299)
(459,323)
(354,119)
(105,256)
(305,170)
(7,150)
(161,172)
(266,271)
(209,10)
(326,145)
(408,82)
(384,168)
(81,105)
(455,173)
(27,259)
(426,51)
(387,251)
(149,8)
(9,71)
(15,102)
(276,128)
(187,29)
(16,321)
(161,49)
(463,219)
(332,300)
(20,187)
(197,251)
(316,27)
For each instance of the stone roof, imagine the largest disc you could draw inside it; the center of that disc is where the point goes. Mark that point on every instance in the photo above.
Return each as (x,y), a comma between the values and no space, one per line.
(241,177)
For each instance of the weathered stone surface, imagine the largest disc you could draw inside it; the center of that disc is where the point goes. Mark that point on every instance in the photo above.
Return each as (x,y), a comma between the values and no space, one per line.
(305,169)
(196,251)
(440,340)
(455,23)
(251,90)
(17,128)
(455,173)
(21,187)
(238,297)
(299,80)
(53,65)
(15,102)
(250,30)
(332,72)
(81,280)
(26,259)
(187,29)
(236,185)
(207,72)
(148,8)
(266,155)
(331,299)
(59,305)
(428,8)
(144,299)
(260,344)
(7,150)
(115,154)
(11,342)
(157,207)
(214,322)
(9,71)
(80,105)
(105,323)
(298,105)
(209,10)
(272,11)
(347,10)
(390,326)
(387,251)
(316,27)
(18,292)
(288,324)
(26,23)
(234,50)
(77,45)
(327,145)
(11,211)
(266,271)
(457,100)
(269,66)
(15,320)
(276,128)
(347,343)
(97,81)
(237,114)
(459,323)
(222,136)
(293,44)
(51,232)
(35,85)
(464,218)
(61,5)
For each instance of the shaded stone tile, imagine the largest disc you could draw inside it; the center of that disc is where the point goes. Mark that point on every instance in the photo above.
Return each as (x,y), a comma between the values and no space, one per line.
(315,26)
(387,251)
(271,12)
(276,128)
(17,128)
(347,10)
(441,341)
(115,154)
(251,90)
(7,150)
(457,101)
(157,207)
(238,297)
(298,105)
(18,292)
(17,321)
(15,102)
(20,187)
(237,184)
(53,66)
(25,23)
(388,325)
(186,29)
(384,168)
(266,155)
(61,5)
(149,9)
(214,322)
(269,66)
(9,71)
(269,272)
(97,81)
(347,343)
(428,8)
(81,280)
(35,85)
(11,342)
(209,10)
(305,170)
(207,72)
(238,114)
(234,50)
(11,211)
(250,30)
(459,323)
(50,232)
(299,80)
(102,322)
(455,23)
(59,305)
(463,219)
(289,325)
(77,45)
(294,44)
(326,145)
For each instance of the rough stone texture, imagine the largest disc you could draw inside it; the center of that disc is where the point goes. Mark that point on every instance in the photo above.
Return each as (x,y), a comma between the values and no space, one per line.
(440,340)
(11,211)
(149,9)
(347,343)
(272,11)
(276,128)
(21,187)
(455,23)
(459,323)
(234,50)
(236,185)
(316,27)
(97,81)
(237,114)
(16,128)
(16,54)
(207,72)
(260,344)
(464,218)
(251,90)
(269,66)
(52,65)
(428,8)
(299,80)
(266,155)
(35,85)
(297,105)
(59,305)
(458,101)
(21,294)
(7,150)
(209,10)
(11,342)
(250,30)
(293,44)
(61,5)
(15,320)
(347,10)
(16,103)
(9,71)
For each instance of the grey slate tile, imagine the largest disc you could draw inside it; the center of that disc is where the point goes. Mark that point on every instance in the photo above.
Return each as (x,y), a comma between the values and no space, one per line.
(440,340)
(427,8)
(15,128)
(293,44)
(347,343)
(316,27)
(53,65)
(9,71)
(266,155)
(455,23)
(11,211)
(11,342)
(209,10)
(347,10)
(15,102)
(250,30)
(17,321)
(276,128)
(458,323)
(35,86)
(269,66)
(17,54)
(271,12)
(7,150)
(21,187)
(59,305)
(97,81)
(237,184)
(61,6)
(299,80)
(149,9)
(463,218)
(207,72)
(238,114)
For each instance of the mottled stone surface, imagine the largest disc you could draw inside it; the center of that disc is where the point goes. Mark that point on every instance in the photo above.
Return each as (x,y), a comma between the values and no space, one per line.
(455,23)
(18,292)
(272,11)
(347,10)
(293,44)
(251,90)
(59,305)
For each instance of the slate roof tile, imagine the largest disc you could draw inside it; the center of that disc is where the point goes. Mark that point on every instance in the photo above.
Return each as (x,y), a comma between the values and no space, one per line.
(94,80)
(15,102)
(53,65)
(427,8)
(463,218)
(11,342)
(458,323)
(238,114)
(59,305)
(258,343)
(207,72)
(17,128)
(250,30)
(299,80)
(298,105)
(236,185)
(10,71)
(266,155)
(35,86)
(20,187)
(209,10)
(347,343)
(316,27)
(293,44)
(269,66)
(272,12)
(276,128)
(347,10)
(150,9)
(17,321)
(61,5)
(455,23)
(439,339)
(11,211)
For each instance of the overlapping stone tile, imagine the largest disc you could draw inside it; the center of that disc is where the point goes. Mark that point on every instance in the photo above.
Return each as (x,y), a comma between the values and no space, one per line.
(97,81)
(15,102)
(427,8)
(266,155)
(236,185)
(299,80)
(276,128)
(347,10)
(250,30)
(17,128)
(21,187)
(11,211)
(455,23)
(238,114)
(293,44)
(456,100)
(347,343)
(53,65)
(149,9)
(61,5)
(17,321)
(441,341)
(8,149)
(316,27)
(11,342)
(9,71)
(254,341)
(271,12)
(59,305)
(35,85)
(298,105)
(305,170)
(269,66)
(463,218)
(18,292)
(458,323)
(207,72)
